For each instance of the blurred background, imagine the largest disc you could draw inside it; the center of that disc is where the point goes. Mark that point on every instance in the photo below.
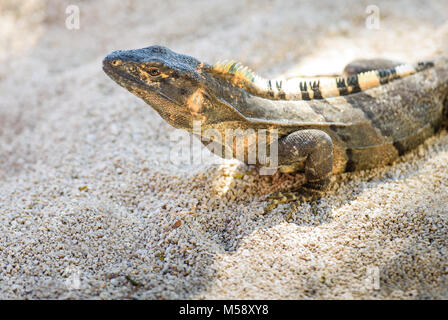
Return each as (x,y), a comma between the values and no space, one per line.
(268,35)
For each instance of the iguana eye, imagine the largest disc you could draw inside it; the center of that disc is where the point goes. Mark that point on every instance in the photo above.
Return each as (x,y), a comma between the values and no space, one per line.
(154,72)
(116,62)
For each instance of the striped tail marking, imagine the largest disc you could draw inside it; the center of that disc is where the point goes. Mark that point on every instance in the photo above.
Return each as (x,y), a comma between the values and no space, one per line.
(304,89)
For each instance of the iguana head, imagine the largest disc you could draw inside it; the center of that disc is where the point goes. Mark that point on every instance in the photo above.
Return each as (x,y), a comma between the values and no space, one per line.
(173,84)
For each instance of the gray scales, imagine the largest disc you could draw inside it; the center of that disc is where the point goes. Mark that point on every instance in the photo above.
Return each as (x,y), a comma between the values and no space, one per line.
(377,111)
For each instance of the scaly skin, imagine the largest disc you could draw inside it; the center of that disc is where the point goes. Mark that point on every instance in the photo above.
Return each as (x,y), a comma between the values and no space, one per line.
(342,125)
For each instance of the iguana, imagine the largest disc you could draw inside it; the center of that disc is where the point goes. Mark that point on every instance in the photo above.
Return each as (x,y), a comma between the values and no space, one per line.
(375,112)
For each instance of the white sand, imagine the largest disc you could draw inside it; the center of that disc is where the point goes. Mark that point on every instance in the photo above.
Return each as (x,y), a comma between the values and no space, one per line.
(64,125)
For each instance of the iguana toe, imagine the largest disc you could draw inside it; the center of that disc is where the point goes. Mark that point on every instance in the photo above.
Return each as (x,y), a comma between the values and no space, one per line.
(297,196)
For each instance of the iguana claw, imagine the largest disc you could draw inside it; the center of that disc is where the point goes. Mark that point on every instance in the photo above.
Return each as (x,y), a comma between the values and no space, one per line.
(297,196)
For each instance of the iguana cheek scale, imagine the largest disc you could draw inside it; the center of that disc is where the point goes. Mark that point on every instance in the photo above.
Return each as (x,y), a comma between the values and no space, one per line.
(378,111)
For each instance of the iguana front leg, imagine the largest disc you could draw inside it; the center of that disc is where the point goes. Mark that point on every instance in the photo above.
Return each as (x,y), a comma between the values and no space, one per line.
(315,149)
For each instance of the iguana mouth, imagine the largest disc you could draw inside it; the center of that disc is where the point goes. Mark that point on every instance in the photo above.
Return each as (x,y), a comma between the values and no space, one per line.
(130,82)
(171,111)
(123,78)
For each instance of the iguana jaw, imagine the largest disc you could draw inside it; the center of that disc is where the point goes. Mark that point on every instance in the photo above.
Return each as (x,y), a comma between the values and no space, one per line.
(168,109)
(131,83)
(167,93)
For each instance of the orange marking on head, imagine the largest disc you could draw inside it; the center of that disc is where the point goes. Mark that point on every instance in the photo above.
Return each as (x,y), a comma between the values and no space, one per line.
(143,74)
(194,103)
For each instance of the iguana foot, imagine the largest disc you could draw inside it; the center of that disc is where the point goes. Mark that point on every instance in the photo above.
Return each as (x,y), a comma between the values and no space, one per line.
(298,196)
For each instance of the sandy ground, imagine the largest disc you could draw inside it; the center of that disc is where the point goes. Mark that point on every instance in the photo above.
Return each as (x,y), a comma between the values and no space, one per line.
(89,198)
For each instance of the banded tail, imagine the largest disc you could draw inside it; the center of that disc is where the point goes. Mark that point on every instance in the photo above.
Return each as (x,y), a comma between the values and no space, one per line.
(302,89)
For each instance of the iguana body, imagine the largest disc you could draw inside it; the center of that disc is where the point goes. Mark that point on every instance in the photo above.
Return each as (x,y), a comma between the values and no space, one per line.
(325,126)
